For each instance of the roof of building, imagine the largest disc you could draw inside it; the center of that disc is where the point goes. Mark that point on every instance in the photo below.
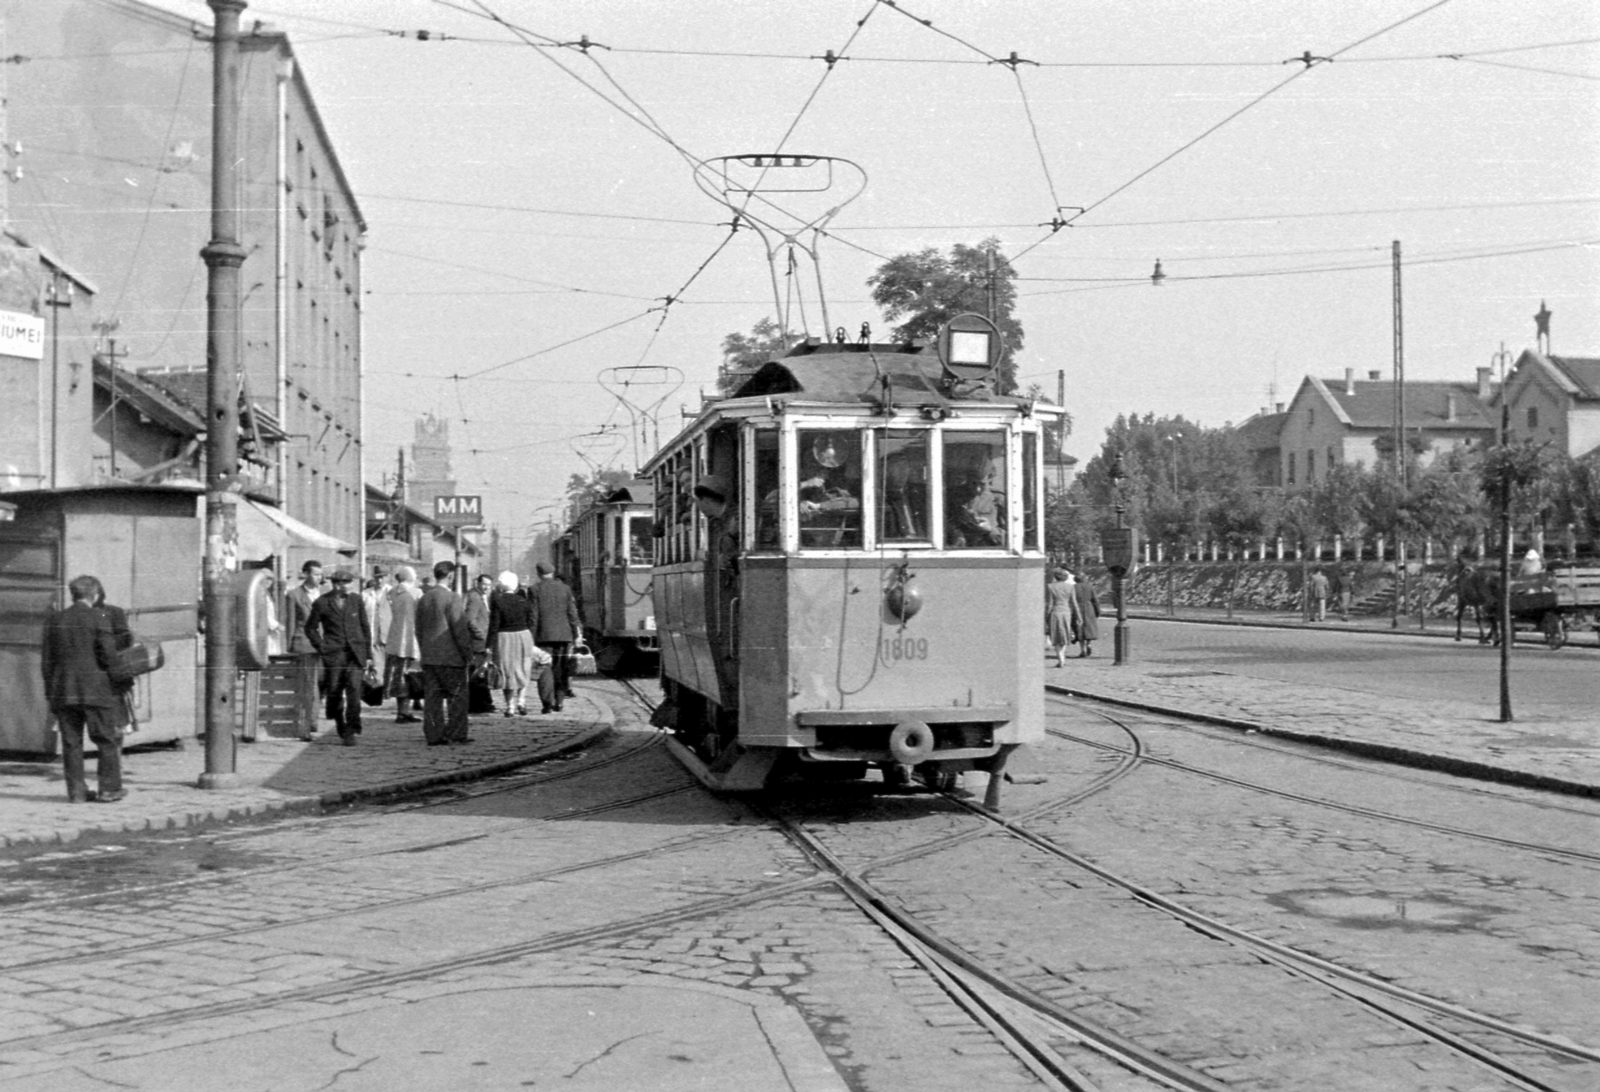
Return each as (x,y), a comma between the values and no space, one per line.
(1261,432)
(1429,404)
(150,399)
(1583,371)
(191,388)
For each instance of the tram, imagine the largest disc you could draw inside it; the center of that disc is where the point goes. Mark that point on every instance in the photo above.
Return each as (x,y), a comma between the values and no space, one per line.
(605,557)
(848,546)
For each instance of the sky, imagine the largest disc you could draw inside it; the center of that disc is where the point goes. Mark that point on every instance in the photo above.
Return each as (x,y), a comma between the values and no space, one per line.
(538,246)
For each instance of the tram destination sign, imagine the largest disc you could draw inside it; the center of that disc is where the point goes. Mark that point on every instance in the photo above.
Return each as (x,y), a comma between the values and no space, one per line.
(458,511)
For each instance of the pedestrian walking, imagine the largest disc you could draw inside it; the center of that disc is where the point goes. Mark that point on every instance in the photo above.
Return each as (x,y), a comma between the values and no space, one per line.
(555,626)
(446,644)
(1088,614)
(402,679)
(121,638)
(1347,592)
(512,646)
(375,600)
(338,628)
(1319,595)
(77,653)
(1061,608)
(296,613)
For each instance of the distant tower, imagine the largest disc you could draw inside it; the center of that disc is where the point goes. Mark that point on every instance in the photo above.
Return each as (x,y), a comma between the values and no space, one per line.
(430,464)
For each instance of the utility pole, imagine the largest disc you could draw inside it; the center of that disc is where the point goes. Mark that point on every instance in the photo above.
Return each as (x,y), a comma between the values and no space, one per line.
(57,294)
(111,356)
(223,256)
(1401,470)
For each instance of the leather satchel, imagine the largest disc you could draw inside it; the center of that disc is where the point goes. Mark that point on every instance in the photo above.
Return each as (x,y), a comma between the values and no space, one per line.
(139,658)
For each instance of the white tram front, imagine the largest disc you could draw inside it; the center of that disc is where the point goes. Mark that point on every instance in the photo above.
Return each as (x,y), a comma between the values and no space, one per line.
(849,569)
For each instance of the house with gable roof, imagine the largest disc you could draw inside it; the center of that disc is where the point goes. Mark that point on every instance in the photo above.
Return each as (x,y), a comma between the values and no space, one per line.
(1556,400)
(1332,421)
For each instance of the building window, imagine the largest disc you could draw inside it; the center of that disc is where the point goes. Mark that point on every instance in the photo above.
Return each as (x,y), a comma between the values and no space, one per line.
(1533,417)
(1290,476)
(1330,463)
(1311,465)
(1311,416)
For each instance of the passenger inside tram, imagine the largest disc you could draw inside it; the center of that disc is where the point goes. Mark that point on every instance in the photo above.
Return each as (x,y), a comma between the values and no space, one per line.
(830,491)
(974,498)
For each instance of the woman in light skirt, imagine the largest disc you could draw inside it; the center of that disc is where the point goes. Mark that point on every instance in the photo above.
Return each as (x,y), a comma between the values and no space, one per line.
(511,639)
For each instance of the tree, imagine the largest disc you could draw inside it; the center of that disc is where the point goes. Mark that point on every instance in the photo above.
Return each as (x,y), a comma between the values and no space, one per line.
(1337,498)
(582,491)
(927,289)
(741,353)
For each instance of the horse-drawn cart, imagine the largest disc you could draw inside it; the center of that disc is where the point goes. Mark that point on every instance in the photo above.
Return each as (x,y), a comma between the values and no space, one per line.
(1556,601)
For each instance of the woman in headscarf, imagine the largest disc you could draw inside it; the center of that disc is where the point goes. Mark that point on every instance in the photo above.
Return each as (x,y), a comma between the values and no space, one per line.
(511,641)
(1061,607)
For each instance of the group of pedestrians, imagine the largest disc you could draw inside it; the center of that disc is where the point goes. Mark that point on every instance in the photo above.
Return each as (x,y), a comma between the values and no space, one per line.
(1072,614)
(423,644)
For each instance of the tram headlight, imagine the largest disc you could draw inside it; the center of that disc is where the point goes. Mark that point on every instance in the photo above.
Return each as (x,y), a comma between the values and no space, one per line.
(902,597)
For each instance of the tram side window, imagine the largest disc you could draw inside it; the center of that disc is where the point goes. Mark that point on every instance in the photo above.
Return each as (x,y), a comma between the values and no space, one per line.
(1030,491)
(682,509)
(903,488)
(974,490)
(766,488)
(830,489)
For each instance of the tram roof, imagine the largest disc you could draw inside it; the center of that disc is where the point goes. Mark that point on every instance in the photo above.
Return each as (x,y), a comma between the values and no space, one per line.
(869,374)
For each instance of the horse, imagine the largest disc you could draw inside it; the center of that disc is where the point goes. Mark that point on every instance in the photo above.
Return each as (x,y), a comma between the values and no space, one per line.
(1479,590)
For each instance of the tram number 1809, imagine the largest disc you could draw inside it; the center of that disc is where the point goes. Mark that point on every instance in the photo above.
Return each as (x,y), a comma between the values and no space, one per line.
(898,649)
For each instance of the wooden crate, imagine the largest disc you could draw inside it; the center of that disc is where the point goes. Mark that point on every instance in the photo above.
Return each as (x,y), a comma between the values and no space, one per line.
(286,698)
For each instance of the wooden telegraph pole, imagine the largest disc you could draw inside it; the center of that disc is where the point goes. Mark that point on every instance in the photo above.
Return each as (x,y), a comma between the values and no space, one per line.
(223,256)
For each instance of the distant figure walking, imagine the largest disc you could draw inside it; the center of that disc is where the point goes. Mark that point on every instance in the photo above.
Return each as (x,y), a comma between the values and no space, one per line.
(403,659)
(555,626)
(1061,608)
(1088,614)
(446,643)
(1319,596)
(339,630)
(77,651)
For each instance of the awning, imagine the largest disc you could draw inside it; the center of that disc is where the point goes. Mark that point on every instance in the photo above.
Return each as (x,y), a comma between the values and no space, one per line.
(265,531)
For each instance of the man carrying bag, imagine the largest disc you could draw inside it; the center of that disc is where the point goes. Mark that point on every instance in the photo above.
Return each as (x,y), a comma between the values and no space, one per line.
(78,652)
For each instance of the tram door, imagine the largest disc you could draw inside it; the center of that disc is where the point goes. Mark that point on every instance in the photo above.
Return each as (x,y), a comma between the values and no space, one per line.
(724,529)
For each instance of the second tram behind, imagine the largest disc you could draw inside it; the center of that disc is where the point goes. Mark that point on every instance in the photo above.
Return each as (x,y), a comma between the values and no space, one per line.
(849,567)
(605,557)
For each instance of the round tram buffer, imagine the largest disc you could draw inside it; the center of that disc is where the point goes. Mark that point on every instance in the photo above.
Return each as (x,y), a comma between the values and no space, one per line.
(970,347)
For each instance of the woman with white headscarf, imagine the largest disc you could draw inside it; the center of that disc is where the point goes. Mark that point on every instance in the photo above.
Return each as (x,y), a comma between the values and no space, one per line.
(511,641)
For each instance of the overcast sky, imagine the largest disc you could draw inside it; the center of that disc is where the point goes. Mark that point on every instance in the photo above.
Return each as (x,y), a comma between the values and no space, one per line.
(530,206)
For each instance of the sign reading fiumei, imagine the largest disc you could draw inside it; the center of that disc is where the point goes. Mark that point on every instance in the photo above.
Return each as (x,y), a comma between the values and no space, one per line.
(21,335)
(458,511)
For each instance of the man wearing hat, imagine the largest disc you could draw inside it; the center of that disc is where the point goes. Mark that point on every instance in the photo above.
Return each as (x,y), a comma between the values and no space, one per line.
(339,630)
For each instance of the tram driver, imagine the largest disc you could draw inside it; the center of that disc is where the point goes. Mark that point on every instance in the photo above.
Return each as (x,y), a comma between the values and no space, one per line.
(830,509)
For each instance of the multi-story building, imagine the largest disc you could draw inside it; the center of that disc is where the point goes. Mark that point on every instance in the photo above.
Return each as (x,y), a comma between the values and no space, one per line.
(114,121)
(1332,421)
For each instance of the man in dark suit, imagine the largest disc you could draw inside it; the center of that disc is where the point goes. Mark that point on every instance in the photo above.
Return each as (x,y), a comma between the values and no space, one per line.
(555,626)
(447,643)
(338,630)
(78,645)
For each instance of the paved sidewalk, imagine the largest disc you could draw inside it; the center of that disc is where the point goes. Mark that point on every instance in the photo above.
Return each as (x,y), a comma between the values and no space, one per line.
(1561,754)
(1580,638)
(281,774)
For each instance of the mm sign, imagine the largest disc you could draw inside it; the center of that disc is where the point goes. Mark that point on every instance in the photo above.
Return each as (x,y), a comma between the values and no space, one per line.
(458,511)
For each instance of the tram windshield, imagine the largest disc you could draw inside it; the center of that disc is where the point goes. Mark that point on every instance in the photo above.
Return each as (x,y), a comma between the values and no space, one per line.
(830,489)
(640,543)
(974,490)
(903,486)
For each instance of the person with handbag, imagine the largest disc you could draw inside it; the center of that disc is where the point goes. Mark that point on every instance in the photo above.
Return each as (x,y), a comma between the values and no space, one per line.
(77,656)
(121,639)
(448,645)
(403,659)
(338,628)
(511,643)
(555,626)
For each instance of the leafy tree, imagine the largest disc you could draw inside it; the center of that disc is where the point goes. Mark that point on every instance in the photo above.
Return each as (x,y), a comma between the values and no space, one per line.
(1448,502)
(743,352)
(1337,499)
(584,490)
(927,289)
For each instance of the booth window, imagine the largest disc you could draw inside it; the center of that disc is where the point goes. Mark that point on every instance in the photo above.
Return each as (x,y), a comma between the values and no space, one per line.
(830,489)
(974,490)
(903,486)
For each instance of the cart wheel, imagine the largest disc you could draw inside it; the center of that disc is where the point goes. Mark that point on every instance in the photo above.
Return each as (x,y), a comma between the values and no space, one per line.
(1555,629)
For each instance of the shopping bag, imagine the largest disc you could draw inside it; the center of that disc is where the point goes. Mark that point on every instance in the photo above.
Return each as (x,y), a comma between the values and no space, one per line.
(580,661)
(371,686)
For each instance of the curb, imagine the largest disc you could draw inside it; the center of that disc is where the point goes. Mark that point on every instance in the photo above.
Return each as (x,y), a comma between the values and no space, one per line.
(1346,627)
(293,805)
(1399,756)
